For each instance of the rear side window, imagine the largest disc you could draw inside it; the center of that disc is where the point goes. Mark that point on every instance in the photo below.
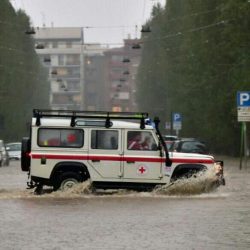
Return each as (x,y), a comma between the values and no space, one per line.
(104,139)
(70,138)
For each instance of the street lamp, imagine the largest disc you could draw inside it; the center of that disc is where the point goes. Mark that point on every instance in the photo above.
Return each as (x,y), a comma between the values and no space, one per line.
(126,60)
(30,31)
(145,29)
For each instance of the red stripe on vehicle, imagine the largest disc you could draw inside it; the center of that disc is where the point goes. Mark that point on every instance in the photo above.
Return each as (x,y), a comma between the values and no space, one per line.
(119,158)
(60,157)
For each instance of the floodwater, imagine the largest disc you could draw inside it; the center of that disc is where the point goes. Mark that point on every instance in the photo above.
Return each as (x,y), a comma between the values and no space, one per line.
(79,219)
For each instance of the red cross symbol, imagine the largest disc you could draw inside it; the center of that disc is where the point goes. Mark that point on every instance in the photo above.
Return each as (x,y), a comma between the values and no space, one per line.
(142,170)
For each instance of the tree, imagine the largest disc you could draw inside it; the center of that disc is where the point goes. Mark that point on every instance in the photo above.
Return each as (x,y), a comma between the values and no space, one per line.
(202,51)
(23,83)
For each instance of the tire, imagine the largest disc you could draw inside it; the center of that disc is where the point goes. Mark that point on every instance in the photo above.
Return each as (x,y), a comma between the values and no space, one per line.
(189,174)
(68,180)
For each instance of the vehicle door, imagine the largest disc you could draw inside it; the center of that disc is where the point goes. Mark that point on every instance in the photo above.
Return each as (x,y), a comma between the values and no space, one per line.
(105,152)
(142,158)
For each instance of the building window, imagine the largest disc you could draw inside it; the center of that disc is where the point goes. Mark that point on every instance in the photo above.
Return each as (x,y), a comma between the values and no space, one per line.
(117,70)
(117,58)
(54,45)
(68,44)
(73,60)
(60,59)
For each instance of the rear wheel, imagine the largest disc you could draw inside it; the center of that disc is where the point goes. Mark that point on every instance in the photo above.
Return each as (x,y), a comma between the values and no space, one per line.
(68,180)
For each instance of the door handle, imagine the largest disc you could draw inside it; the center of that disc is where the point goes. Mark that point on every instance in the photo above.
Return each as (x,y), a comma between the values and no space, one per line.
(95,160)
(129,162)
(43,160)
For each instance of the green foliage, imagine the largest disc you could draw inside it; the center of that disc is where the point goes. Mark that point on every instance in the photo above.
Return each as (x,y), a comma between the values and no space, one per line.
(23,81)
(194,61)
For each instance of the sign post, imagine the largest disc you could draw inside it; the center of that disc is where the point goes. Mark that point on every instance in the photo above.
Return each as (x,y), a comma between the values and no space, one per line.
(243,110)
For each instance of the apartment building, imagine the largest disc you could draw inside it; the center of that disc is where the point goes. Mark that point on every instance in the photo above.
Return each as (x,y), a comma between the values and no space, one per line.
(61,50)
(88,76)
(96,90)
(122,64)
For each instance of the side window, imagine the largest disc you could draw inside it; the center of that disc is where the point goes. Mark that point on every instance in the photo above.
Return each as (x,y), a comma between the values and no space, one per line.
(104,139)
(72,138)
(141,140)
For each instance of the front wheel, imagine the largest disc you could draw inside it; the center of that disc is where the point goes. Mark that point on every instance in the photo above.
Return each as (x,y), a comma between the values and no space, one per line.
(68,180)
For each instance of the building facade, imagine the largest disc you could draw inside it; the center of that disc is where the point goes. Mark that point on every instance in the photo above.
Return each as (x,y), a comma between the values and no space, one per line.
(122,64)
(61,50)
(88,76)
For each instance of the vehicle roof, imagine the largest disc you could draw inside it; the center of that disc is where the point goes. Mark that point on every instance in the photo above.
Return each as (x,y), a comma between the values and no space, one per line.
(189,140)
(64,122)
(171,136)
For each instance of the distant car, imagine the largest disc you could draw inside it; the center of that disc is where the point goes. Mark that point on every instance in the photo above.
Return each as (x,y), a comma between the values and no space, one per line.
(189,145)
(169,139)
(14,150)
(4,156)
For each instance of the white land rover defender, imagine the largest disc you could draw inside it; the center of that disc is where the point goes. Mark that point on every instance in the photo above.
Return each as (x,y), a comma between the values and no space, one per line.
(67,147)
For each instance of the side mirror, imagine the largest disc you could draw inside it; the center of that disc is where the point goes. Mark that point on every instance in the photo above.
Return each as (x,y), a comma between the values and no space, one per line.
(168,162)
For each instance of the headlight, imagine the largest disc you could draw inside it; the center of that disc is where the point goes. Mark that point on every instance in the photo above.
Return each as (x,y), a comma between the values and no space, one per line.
(218,166)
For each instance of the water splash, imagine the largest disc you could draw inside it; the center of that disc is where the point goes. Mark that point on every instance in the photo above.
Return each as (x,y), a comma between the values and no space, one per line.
(84,188)
(203,182)
(195,185)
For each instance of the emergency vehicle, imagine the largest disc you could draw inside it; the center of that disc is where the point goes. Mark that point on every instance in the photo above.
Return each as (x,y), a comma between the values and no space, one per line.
(108,148)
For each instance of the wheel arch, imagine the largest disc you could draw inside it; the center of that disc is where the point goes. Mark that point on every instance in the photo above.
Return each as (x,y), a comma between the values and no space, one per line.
(70,166)
(182,169)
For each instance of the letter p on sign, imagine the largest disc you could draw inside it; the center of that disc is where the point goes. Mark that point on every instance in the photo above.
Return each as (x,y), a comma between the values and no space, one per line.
(243,99)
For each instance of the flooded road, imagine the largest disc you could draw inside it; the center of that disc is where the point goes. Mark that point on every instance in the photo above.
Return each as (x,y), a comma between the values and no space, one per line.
(125,220)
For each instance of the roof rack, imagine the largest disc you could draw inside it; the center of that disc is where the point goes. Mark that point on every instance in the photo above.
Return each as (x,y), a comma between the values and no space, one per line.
(74,114)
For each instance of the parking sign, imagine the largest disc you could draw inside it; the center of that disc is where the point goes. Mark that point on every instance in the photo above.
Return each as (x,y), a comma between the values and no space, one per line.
(243,99)
(243,106)
(177,121)
(176,117)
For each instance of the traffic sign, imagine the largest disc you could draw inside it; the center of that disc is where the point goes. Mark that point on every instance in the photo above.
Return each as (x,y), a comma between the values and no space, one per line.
(243,99)
(177,121)
(177,125)
(243,106)
(177,117)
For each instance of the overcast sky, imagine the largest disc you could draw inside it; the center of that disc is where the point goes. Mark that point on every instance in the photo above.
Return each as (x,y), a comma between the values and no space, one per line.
(111,20)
